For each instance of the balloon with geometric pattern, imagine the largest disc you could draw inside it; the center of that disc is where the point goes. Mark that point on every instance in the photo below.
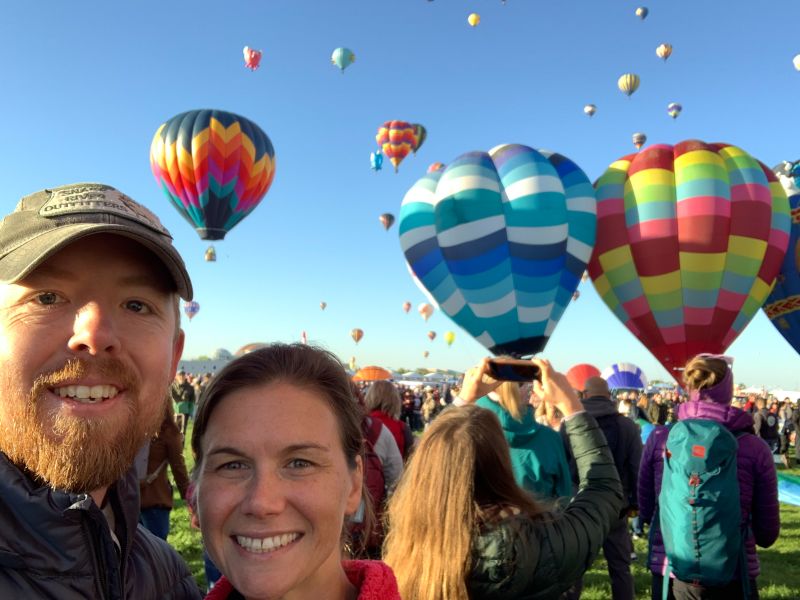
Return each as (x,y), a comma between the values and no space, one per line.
(396,139)
(690,239)
(214,167)
(499,240)
(624,376)
(191,309)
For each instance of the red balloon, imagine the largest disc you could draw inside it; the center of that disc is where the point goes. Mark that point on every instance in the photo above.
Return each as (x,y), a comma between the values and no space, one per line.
(578,375)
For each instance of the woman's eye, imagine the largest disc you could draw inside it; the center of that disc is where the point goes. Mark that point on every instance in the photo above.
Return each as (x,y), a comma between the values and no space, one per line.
(234,465)
(299,463)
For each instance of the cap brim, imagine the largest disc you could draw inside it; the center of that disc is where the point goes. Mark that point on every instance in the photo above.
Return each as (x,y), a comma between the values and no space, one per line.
(26,258)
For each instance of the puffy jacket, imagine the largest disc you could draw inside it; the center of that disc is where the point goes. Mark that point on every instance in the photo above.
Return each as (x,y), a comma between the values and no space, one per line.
(758,483)
(537,453)
(402,434)
(537,558)
(58,545)
(166,449)
(373,579)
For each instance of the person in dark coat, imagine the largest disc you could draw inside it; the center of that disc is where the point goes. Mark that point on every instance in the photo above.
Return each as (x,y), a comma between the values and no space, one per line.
(90,340)
(710,381)
(625,443)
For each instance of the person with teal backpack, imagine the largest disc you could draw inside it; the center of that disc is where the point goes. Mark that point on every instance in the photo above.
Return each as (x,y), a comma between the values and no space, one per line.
(708,486)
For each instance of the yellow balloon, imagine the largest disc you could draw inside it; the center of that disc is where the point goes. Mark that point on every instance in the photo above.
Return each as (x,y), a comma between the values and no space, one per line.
(474,19)
(796,62)
(449,337)
(628,83)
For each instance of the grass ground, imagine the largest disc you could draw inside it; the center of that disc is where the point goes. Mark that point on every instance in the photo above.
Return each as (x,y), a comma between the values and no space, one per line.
(780,564)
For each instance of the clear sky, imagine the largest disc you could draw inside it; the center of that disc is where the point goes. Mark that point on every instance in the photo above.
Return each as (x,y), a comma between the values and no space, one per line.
(84,85)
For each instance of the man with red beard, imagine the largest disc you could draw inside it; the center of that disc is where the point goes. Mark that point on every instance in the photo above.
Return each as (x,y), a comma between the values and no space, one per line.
(89,343)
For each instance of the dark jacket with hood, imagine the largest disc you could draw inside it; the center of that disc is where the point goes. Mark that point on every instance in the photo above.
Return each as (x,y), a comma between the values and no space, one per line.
(758,483)
(58,545)
(537,453)
(624,440)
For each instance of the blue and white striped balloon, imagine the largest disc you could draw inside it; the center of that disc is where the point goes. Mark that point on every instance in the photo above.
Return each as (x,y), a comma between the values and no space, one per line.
(500,240)
(624,376)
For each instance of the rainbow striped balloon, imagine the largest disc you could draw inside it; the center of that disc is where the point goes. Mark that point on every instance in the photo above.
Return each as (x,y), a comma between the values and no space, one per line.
(500,240)
(214,166)
(397,139)
(689,242)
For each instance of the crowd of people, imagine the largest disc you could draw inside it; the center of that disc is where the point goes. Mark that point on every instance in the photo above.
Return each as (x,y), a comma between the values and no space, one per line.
(306,485)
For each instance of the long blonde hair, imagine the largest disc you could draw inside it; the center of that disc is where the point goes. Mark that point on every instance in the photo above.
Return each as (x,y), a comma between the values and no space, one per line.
(459,478)
(510,398)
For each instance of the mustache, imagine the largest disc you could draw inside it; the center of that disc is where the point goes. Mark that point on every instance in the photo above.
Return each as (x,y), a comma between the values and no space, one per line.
(108,368)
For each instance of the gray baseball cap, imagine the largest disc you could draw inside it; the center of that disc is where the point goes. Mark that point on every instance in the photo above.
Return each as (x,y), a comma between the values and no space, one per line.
(50,220)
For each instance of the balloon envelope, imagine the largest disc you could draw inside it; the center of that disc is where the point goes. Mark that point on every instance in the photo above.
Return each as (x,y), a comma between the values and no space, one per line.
(406,307)
(642,12)
(449,337)
(578,375)
(689,241)
(473,19)
(435,167)
(664,51)
(357,334)
(425,310)
(247,348)
(191,309)
(396,139)
(628,83)
(674,109)
(342,58)
(376,160)
(214,166)
(431,335)
(421,134)
(624,376)
(387,220)
(639,139)
(590,109)
(252,58)
(500,240)
(796,62)
(372,373)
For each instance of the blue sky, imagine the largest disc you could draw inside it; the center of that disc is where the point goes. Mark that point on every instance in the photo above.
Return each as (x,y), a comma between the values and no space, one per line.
(86,84)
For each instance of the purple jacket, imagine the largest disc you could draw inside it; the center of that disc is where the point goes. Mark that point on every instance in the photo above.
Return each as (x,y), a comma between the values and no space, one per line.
(758,483)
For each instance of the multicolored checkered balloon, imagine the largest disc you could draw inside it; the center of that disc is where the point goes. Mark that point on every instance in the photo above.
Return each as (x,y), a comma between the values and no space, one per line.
(689,242)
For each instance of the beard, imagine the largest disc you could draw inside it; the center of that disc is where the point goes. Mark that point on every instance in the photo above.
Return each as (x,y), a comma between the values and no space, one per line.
(73,453)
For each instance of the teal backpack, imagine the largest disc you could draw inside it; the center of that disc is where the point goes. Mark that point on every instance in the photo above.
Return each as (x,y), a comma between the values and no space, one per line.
(699,507)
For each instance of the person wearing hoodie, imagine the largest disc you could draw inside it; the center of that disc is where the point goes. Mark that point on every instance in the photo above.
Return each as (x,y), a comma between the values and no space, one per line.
(625,443)
(537,453)
(709,379)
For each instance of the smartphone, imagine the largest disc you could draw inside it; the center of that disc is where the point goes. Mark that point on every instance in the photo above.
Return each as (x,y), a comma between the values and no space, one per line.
(513,369)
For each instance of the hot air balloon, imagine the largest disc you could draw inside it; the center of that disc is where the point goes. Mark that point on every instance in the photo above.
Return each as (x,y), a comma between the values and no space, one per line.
(425,310)
(343,58)
(664,51)
(191,309)
(642,12)
(214,166)
(674,109)
(796,62)
(396,139)
(435,167)
(357,334)
(449,337)
(387,220)
(575,295)
(628,83)
(421,134)
(352,363)
(376,160)
(585,276)
(248,348)
(624,376)
(406,307)
(500,240)
(431,335)
(210,254)
(690,239)
(783,303)
(252,58)
(578,374)
(473,19)
(303,337)
(590,109)
(426,354)
(323,305)
(639,139)
(372,373)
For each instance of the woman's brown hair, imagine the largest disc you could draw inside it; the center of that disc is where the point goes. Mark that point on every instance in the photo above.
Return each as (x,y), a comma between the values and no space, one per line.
(703,372)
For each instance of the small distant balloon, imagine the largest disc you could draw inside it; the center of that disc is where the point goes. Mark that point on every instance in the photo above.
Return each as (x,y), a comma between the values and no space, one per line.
(664,51)
(576,294)
(357,334)
(639,139)
(425,310)
(386,219)
(585,276)
(431,335)
(304,337)
(191,309)
(252,58)
(376,160)
(323,305)
(421,134)
(796,62)
(352,363)
(426,354)
(474,19)
(342,58)
(435,167)
(589,110)
(211,254)
(642,12)
(674,109)
(628,83)
(406,307)
(449,337)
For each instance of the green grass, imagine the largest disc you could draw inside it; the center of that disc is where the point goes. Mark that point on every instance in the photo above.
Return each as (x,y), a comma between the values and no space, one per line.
(780,564)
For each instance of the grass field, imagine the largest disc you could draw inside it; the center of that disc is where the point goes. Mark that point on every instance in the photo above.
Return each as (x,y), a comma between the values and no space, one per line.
(780,564)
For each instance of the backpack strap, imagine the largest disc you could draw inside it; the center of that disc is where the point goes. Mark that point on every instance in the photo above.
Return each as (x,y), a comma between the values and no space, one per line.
(152,476)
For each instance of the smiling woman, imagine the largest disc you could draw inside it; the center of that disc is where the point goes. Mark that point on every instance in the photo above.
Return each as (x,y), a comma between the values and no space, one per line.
(278,452)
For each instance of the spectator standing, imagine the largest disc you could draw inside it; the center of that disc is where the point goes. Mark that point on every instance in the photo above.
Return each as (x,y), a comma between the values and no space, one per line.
(765,425)
(383,403)
(183,396)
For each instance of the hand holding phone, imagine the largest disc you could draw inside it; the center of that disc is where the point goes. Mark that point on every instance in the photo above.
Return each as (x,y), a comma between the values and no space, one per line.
(514,369)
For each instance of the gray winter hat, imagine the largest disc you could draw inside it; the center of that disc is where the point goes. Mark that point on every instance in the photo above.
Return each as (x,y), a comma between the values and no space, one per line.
(47,221)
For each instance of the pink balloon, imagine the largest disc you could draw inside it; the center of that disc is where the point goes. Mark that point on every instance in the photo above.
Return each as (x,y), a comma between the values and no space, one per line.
(252,58)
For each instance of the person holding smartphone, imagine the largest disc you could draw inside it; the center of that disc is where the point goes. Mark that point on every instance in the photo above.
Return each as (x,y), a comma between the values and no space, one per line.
(461,528)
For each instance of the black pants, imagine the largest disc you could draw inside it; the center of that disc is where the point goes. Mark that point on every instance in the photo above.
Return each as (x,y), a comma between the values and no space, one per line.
(680,590)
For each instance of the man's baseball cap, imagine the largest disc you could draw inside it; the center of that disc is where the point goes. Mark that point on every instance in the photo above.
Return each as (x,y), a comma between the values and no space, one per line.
(48,221)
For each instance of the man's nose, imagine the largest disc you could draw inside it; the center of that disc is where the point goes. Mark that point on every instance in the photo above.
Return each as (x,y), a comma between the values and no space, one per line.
(94,330)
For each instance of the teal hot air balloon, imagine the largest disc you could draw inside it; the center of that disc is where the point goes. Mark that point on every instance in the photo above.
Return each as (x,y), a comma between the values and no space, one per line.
(500,240)
(343,58)
(376,160)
